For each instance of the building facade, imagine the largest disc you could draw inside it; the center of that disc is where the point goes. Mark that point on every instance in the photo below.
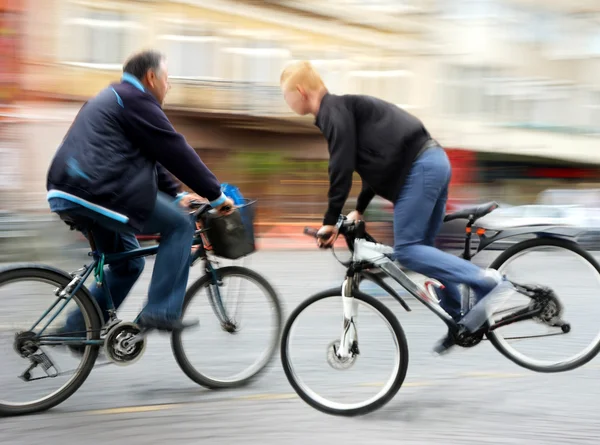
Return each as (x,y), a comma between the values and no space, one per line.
(496,78)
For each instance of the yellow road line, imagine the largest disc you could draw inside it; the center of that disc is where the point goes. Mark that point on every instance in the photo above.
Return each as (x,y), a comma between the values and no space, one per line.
(134,409)
(494,375)
(289,396)
(273,396)
(404,385)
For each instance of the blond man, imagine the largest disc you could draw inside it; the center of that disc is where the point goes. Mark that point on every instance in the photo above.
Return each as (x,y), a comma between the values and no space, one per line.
(397,159)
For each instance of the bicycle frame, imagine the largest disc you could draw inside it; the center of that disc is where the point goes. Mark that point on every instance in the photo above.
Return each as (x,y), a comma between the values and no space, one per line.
(369,254)
(97,266)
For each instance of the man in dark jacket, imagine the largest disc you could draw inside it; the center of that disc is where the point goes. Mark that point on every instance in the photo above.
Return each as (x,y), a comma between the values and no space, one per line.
(398,160)
(114,168)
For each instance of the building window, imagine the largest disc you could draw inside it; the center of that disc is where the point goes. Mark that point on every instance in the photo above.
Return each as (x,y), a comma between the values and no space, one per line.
(391,85)
(471,90)
(97,37)
(594,111)
(192,49)
(259,62)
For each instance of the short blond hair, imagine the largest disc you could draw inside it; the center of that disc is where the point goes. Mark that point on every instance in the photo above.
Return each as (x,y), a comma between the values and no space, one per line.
(303,74)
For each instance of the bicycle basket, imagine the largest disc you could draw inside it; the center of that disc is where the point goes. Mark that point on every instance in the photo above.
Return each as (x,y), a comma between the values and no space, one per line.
(231,236)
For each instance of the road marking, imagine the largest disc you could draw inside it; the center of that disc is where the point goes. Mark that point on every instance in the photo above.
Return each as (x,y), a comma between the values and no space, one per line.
(273,396)
(494,375)
(290,396)
(134,409)
(404,385)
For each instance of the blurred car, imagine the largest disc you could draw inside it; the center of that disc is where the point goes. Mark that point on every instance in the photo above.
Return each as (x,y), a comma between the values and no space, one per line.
(585,219)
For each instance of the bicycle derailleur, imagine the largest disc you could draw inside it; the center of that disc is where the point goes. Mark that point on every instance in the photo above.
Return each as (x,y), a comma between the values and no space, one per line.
(548,307)
(26,344)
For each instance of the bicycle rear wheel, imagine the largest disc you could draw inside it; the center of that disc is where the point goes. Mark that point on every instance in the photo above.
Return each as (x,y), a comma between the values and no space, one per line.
(369,346)
(573,277)
(23,346)
(199,351)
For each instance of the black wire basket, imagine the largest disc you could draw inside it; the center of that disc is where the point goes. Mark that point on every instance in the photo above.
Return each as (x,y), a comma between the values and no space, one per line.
(231,236)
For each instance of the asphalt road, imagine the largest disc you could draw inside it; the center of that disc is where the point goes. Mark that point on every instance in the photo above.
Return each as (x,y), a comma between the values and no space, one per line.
(468,396)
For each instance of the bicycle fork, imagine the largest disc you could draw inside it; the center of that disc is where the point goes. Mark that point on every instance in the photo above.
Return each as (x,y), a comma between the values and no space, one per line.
(349,339)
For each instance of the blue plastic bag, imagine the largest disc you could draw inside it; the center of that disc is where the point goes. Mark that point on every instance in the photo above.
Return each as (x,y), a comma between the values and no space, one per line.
(231,191)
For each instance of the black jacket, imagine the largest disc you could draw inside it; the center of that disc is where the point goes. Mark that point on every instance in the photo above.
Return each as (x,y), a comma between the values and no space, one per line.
(376,139)
(119,152)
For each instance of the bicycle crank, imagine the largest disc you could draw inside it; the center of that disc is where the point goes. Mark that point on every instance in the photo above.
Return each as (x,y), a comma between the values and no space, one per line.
(124,344)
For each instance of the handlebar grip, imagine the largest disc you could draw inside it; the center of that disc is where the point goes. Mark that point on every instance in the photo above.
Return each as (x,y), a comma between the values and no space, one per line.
(310,231)
(195,204)
(315,233)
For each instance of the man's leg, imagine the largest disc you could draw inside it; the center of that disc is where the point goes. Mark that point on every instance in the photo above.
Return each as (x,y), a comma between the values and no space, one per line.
(412,214)
(119,277)
(450,296)
(172,265)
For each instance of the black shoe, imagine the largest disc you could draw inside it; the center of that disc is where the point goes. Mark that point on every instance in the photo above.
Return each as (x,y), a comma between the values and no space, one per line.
(147,323)
(445,344)
(76,350)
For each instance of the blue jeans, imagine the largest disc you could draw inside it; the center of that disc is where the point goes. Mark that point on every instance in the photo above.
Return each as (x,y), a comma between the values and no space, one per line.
(171,267)
(418,216)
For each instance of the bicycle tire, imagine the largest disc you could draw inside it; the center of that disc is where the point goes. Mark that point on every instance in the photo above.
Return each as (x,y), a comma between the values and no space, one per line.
(516,249)
(396,328)
(88,308)
(176,341)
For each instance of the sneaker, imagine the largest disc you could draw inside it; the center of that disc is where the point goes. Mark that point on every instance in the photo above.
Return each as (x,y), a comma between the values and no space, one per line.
(484,308)
(444,345)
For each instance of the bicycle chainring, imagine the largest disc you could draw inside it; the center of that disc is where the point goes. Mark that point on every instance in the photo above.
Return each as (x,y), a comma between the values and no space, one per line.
(468,340)
(117,346)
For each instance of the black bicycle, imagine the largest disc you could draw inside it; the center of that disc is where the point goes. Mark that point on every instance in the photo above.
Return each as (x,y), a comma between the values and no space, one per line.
(538,303)
(36,368)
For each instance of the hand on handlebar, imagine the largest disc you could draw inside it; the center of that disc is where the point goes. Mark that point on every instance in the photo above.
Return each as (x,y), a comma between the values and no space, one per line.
(326,236)
(226,208)
(192,200)
(354,215)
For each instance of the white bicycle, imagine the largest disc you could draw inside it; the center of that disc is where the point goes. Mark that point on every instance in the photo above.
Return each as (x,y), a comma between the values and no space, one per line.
(370,261)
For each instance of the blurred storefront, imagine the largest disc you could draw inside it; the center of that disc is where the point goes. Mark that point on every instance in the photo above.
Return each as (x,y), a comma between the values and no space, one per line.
(11,33)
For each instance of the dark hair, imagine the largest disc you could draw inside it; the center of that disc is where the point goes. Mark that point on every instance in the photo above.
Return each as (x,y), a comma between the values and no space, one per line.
(139,64)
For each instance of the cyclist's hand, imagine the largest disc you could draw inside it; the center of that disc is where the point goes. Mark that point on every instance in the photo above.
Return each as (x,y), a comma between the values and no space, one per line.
(355,215)
(226,208)
(187,199)
(326,236)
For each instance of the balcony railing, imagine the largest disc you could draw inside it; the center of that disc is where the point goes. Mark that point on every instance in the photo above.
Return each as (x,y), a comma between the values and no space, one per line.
(250,98)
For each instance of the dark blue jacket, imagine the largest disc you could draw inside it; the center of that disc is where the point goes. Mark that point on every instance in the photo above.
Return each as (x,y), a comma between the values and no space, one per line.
(119,151)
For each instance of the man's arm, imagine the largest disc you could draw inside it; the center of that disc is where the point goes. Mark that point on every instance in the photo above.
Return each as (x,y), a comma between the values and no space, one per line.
(341,135)
(166,182)
(364,198)
(148,126)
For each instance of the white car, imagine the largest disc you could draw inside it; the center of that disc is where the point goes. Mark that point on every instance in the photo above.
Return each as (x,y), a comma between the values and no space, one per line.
(533,215)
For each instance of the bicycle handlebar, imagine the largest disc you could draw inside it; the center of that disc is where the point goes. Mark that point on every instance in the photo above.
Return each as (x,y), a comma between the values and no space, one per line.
(311,231)
(200,208)
(349,229)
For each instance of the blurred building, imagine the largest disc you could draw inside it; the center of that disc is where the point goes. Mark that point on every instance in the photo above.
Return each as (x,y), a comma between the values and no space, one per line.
(512,86)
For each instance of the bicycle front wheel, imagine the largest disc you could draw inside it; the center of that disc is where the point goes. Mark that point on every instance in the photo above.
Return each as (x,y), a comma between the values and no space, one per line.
(242,313)
(571,277)
(358,384)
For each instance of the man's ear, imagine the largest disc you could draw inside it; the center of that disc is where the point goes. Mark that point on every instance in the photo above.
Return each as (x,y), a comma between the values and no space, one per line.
(151,78)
